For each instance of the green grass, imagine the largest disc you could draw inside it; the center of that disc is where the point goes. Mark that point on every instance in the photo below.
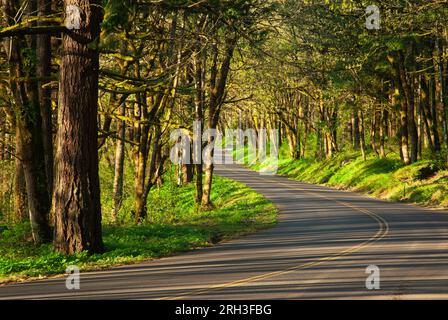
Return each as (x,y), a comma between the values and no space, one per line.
(424,182)
(174,225)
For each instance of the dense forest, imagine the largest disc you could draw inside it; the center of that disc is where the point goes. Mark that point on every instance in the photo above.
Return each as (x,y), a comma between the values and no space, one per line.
(88,82)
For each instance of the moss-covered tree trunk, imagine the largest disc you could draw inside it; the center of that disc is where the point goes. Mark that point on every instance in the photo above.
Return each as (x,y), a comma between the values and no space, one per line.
(29,132)
(20,196)
(408,106)
(119,162)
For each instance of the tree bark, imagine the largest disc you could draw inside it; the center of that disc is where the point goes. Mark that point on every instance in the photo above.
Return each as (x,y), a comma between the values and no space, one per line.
(435,116)
(362,135)
(29,133)
(119,163)
(2,141)
(425,101)
(76,203)
(44,73)
(199,116)
(187,173)
(443,94)
(404,113)
(410,102)
(141,161)
(375,131)
(20,196)
(294,149)
(217,92)
(383,132)
(355,128)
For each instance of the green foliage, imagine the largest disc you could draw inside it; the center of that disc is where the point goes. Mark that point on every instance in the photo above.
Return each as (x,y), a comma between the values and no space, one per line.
(418,171)
(423,182)
(116,14)
(107,202)
(29,60)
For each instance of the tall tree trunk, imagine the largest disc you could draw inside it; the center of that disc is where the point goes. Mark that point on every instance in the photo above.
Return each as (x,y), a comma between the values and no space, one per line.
(9,143)
(280,132)
(187,172)
(156,164)
(20,196)
(334,129)
(306,126)
(443,91)
(383,132)
(3,141)
(294,151)
(362,139)
(410,101)
(213,105)
(404,114)
(375,131)
(355,128)
(425,103)
(76,203)
(217,92)
(199,117)
(435,116)
(43,74)
(29,135)
(119,163)
(141,162)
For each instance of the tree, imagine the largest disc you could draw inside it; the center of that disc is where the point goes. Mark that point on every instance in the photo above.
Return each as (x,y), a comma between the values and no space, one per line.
(43,72)
(76,203)
(29,133)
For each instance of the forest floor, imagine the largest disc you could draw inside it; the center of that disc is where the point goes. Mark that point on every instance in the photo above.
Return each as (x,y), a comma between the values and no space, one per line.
(424,183)
(174,225)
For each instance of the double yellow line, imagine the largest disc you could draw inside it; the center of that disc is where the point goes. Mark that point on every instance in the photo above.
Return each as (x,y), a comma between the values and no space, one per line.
(382,233)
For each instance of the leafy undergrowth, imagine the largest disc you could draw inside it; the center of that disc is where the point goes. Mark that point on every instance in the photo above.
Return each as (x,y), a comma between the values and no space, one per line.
(174,225)
(423,182)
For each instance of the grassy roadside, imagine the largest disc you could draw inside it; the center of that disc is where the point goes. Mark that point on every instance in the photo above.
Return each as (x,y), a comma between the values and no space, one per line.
(423,183)
(174,225)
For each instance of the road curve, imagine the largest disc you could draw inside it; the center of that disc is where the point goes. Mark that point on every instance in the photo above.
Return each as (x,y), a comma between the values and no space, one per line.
(320,249)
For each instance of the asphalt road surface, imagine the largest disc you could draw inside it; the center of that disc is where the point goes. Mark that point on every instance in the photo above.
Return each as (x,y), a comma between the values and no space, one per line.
(320,249)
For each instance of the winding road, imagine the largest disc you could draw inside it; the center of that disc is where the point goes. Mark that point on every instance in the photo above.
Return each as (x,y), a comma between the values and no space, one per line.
(320,249)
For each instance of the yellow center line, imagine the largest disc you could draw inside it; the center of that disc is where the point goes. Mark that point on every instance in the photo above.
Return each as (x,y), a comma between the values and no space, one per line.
(382,233)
